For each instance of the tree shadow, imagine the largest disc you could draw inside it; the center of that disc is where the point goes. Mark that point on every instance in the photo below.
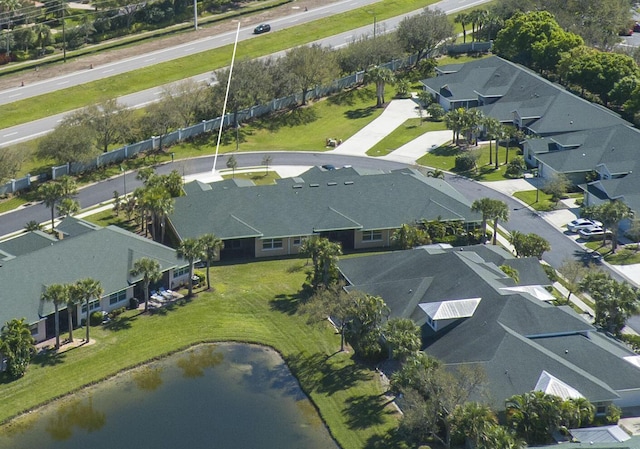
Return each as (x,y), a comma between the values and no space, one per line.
(351,97)
(366,410)
(446,150)
(295,117)
(288,304)
(354,114)
(320,373)
(120,323)
(49,357)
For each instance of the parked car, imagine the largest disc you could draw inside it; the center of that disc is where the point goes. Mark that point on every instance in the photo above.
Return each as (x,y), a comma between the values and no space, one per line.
(262,28)
(636,27)
(329,167)
(582,223)
(594,233)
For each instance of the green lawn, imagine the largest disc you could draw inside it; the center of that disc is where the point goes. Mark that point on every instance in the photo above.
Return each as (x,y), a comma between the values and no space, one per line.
(444,158)
(253,302)
(624,256)
(106,218)
(405,133)
(259,177)
(543,204)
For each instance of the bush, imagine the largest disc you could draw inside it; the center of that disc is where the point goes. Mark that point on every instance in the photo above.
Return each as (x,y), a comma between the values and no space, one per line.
(465,162)
(516,167)
(95,318)
(550,272)
(119,311)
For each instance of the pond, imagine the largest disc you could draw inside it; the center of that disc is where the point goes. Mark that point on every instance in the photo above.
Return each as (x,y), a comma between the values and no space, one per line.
(211,396)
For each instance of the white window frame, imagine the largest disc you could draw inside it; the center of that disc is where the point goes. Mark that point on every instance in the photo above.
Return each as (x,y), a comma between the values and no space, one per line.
(372,236)
(271,244)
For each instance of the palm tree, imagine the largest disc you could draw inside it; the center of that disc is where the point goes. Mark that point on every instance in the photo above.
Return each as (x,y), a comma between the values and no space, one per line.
(473,119)
(191,250)
(32,226)
(68,185)
(454,120)
(473,420)
(57,294)
(89,289)
(43,35)
(435,173)
(211,246)
(156,199)
(17,345)
(73,299)
(485,206)
(462,18)
(380,76)
(500,212)
(403,338)
(50,193)
(68,206)
(492,127)
(150,271)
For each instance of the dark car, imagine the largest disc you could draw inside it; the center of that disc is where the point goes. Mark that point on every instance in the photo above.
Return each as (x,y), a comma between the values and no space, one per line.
(329,167)
(262,28)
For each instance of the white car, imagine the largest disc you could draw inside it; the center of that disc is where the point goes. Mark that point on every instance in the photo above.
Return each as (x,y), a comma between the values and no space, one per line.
(594,233)
(582,223)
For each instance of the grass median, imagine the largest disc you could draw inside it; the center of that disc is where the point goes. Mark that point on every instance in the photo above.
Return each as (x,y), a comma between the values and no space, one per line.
(254,302)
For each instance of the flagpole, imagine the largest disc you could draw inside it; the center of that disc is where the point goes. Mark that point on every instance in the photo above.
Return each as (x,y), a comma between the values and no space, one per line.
(226,97)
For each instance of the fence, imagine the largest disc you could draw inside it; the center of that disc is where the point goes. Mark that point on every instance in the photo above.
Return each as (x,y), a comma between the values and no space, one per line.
(129,151)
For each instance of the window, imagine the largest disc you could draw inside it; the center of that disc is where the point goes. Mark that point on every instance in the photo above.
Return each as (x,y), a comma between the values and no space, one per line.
(371,236)
(179,272)
(117,297)
(34,330)
(297,241)
(271,244)
(93,305)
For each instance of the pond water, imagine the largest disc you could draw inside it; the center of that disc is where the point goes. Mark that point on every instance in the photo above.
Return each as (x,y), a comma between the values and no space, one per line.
(212,396)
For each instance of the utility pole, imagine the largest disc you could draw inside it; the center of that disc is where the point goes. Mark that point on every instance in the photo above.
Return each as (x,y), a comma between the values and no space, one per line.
(195,14)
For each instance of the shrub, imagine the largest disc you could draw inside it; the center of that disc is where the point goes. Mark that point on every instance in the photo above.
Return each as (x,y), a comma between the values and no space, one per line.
(465,162)
(550,272)
(516,167)
(95,318)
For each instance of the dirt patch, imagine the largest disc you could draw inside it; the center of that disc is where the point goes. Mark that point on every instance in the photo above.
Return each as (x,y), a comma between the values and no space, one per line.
(108,56)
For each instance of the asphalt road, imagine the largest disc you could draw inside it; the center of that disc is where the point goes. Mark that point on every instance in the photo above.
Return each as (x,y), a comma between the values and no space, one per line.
(27,131)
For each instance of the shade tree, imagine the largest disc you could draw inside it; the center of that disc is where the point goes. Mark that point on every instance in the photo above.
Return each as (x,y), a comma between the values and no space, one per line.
(528,245)
(17,346)
(422,33)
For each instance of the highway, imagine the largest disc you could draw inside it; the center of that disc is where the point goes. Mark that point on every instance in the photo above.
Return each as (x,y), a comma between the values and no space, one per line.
(27,131)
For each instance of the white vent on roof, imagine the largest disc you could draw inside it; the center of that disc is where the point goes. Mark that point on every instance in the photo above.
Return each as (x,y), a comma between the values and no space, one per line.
(332,183)
(314,185)
(297,186)
(348,183)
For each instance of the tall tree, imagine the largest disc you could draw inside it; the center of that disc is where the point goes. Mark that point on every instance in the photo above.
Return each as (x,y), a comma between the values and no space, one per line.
(68,143)
(573,272)
(50,193)
(17,345)
(365,328)
(73,299)
(615,301)
(380,76)
(57,294)
(188,99)
(527,245)
(490,209)
(463,19)
(211,247)
(324,255)
(110,121)
(454,120)
(402,337)
(232,163)
(422,33)
(611,214)
(500,212)
(492,127)
(68,207)
(88,289)
(191,250)
(149,269)
(160,118)
(472,421)
(331,302)
(534,415)
(430,395)
(311,66)
(11,160)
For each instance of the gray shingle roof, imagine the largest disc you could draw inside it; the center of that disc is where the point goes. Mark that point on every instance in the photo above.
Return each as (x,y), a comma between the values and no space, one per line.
(514,336)
(105,254)
(318,201)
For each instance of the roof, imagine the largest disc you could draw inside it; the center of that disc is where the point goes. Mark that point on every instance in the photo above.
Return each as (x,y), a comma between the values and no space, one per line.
(105,254)
(604,434)
(521,341)
(316,201)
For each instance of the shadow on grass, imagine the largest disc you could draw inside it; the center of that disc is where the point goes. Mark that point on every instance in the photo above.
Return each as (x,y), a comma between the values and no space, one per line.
(392,438)
(288,304)
(319,374)
(49,358)
(351,97)
(354,114)
(365,411)
(295,117)
(447,150)
(120,323)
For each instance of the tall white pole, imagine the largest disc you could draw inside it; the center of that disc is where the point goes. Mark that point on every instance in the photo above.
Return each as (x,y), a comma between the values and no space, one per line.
(226,97)
(195,14)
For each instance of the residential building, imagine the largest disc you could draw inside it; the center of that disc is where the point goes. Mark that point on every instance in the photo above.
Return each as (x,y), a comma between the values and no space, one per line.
(472,313)
(358,208)
(33,261)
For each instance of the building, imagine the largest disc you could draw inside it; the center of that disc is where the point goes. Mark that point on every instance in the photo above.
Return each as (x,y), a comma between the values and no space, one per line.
(472,313)
(565,133)
(359,208)
(32,261)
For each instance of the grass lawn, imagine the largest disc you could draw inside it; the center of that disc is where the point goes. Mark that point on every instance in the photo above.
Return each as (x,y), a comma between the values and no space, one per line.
(623,256)
(258,177)
(254,302)
(444,158)
(106,218)
(544,203)
(409,130)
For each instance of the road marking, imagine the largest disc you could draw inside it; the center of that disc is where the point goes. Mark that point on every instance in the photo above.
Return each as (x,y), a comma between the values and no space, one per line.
(11,134)
(107,71)
(63,82)
(150,59)
(186,50)
(14,95)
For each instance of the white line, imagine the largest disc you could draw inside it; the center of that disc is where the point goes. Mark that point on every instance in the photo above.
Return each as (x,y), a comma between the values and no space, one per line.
(107,71)
(188,49)
(14,95)
(64,82)
(150,59)
(11,134)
